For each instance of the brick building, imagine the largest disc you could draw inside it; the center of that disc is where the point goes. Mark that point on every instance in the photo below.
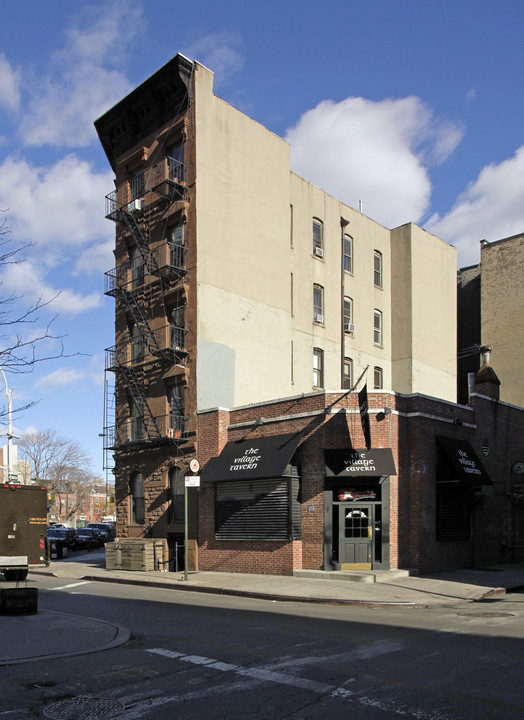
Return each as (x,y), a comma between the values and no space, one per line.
(237,282)
(440,488)
(489,303)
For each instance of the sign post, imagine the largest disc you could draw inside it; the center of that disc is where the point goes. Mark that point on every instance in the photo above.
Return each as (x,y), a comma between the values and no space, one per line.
(190,481)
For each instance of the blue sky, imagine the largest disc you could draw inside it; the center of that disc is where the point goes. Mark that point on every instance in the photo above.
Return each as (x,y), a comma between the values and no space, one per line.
(414,108)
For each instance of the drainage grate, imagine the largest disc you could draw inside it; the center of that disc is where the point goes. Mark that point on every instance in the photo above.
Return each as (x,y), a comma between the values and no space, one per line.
(84,708)
(485,614)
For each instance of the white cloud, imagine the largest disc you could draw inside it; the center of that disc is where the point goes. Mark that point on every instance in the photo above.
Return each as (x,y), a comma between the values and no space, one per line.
(84,78)
(96,259)
(27,278)
(9,85)
(218,52)
(374,152)
(490,208)
(59,205)
(67,376)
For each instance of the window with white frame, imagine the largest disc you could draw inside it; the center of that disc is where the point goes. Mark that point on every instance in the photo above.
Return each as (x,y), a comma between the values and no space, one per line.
(377,327)
(377,378)
(348,315)
(377,268)
(318,237)
(348,373)
(318,304)
(348,253)
(318,368)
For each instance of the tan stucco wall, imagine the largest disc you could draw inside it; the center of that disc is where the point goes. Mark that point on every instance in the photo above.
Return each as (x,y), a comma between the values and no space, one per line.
(255,334)
(424,313)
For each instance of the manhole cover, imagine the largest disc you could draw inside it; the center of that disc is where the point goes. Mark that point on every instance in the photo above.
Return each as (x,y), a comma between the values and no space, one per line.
(83,708)
(486,614)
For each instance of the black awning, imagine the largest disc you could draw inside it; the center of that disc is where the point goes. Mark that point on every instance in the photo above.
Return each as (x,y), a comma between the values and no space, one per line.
(362,463)
(463,461)
(252,458)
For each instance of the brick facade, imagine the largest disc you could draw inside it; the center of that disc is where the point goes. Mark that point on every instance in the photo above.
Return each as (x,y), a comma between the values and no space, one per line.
(332,421)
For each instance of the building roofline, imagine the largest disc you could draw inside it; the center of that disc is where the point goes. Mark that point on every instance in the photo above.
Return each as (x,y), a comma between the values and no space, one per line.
(160,98)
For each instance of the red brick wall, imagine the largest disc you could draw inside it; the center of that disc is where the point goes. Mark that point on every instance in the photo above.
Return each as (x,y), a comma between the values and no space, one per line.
(410,430)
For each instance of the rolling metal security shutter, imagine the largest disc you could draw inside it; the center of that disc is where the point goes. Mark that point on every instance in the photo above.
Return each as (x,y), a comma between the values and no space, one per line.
(453,511)
(253,510)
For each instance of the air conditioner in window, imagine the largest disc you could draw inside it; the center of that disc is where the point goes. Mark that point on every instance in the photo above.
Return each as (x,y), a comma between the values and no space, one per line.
(318,318)
(319,252)
(349,328)
(136,204)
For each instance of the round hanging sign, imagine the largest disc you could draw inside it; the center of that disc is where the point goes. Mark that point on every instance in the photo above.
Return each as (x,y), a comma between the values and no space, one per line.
(194,465)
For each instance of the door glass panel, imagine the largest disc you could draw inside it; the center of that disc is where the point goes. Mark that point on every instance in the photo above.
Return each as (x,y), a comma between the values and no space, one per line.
(356,524)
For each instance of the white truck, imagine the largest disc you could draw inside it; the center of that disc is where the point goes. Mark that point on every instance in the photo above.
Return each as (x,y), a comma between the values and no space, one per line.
(23,528)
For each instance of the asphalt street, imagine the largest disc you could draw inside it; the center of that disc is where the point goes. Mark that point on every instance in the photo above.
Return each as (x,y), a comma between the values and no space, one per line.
(206,656)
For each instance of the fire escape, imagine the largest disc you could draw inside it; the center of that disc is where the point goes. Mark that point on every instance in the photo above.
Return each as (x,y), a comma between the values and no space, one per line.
(148,272)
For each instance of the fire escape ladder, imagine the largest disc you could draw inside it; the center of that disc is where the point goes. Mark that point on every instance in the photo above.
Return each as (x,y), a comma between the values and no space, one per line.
(134,229)
(140,320)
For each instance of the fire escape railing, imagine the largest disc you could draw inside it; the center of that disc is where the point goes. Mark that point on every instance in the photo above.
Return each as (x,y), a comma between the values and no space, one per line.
(134,432)
(165,179)
(170,345)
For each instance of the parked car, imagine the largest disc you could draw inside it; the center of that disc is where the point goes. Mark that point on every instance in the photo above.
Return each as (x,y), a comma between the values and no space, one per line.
(59,539)
(108,530)
(89,538)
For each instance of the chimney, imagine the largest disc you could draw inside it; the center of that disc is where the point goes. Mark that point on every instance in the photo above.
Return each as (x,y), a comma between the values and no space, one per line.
(486,380)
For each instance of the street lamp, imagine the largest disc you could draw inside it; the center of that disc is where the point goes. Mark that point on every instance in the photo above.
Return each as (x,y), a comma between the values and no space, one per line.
(9,426)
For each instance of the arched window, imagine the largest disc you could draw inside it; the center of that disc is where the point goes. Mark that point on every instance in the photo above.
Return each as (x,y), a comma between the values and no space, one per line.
(137,514)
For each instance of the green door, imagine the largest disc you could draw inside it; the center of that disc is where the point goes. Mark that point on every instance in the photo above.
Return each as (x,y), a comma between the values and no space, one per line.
(356,525)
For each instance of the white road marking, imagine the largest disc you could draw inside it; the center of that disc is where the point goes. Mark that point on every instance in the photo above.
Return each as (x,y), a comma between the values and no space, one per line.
(71,585)
(283,679)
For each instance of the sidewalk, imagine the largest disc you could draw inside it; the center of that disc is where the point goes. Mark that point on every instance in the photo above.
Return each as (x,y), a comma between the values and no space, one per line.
(48,634)
(377,589)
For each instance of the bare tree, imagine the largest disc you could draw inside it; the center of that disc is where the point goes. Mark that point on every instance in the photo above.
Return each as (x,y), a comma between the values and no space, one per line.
(18,347)
(62,465)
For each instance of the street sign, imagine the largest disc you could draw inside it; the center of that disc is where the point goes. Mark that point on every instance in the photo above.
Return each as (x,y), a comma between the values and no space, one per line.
(192,480)
(194,465)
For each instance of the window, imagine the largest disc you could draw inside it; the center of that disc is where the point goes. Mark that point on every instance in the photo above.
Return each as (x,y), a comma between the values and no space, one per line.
(377,267)
(175,234)
(318,238)
(176,512)
(291,296)
(137,187)
(175,244)
(175,317)
(348,315)
(318,303)
(348,253)
(377,378)
(318,368)
(137,508)
(137,343)
(136,406)
(175,162)
(175,395)
(377,327)
(136,262)
(348,373)
(291,225)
